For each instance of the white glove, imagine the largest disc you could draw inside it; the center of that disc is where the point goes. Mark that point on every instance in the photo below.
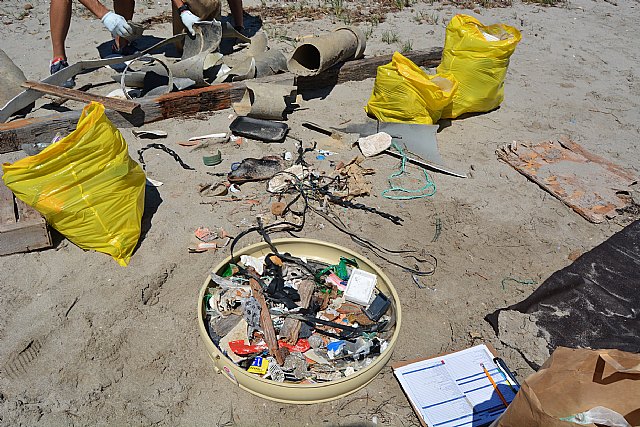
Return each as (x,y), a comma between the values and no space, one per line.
(188,19)
(117,25)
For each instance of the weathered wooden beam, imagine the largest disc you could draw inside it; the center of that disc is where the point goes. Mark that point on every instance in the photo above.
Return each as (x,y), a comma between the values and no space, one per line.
(122,105)
(188,102)
(184,103)
(59,102)
(22,228)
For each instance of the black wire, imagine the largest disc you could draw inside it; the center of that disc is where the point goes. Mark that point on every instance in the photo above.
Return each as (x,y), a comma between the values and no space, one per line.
(290,227)
(324,190)
(164,148)
(376,249)
(283,225)
(302,151)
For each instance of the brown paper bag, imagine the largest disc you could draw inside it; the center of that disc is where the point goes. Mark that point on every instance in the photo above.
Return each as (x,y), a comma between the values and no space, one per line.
(572,381)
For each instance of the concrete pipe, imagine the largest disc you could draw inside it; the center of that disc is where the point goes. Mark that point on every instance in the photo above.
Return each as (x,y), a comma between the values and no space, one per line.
(317,54)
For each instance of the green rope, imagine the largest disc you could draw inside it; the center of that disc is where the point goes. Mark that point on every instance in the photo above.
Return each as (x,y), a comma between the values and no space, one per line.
(428,190)
(522,282)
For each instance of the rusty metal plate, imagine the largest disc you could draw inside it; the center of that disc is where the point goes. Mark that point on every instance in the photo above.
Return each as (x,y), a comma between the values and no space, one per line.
(589,184)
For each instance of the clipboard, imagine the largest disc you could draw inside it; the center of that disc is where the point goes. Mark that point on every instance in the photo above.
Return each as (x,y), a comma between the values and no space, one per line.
(402,364)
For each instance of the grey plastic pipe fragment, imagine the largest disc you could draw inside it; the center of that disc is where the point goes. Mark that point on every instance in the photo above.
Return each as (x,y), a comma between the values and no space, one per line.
(11,77)
(270,62)
(198,62)
(228,32)
(266,101)
(198,56)
(133,79)
(319,53)
(137,28)
(207,39)
(161,90)
(196,68)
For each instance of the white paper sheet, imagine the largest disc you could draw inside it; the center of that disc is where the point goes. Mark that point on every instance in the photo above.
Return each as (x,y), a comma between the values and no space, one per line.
(453,390)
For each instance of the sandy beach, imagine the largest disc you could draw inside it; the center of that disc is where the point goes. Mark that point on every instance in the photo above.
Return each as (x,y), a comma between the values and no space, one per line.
(120,346)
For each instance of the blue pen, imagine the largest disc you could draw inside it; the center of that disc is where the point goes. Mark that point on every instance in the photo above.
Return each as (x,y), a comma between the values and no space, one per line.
(506,373)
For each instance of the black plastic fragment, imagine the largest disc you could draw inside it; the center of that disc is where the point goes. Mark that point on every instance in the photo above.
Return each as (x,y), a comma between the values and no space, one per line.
(262,130)
(378,307)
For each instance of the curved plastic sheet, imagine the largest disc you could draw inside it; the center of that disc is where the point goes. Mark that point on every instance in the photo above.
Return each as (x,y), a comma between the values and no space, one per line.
(478,57)
(404,93)
(86,186)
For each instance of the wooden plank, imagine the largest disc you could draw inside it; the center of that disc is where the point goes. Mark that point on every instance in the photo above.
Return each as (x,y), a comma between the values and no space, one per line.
(26,232)
(188,102)
(122,105)
(26,213)
(24,237)
(7,208)
(58,102)
(43,129)
(266,323)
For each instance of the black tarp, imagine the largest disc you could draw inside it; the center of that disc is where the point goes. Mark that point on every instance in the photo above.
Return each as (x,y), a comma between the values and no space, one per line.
(594,302)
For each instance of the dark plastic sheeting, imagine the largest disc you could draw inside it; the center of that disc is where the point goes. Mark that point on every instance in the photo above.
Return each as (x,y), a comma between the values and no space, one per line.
(594,302)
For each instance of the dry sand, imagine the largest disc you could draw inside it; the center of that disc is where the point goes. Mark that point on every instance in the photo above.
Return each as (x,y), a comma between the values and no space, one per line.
(86,342)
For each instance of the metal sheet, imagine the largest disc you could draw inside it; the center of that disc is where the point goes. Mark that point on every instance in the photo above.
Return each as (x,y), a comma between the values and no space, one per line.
(418,139)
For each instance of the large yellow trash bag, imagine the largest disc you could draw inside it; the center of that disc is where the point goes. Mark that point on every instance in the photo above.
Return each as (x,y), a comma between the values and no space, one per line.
(86,186)
(478,57)
(404,93)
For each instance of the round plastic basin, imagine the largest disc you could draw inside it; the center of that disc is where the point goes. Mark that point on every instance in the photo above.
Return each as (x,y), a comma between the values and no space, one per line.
(301,393)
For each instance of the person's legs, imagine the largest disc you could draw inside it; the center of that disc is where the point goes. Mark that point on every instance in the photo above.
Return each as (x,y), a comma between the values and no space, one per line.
(125,9)
(176,23)
(59,22)
(237,13)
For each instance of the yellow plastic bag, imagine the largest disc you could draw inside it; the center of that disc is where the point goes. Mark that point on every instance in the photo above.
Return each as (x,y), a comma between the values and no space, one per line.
(86,186)
(478,57)
(404,93)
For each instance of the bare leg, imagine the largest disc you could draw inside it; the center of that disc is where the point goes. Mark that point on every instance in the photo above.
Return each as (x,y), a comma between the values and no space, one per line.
(176,22)
(236,12)
(125,9)
(59,22)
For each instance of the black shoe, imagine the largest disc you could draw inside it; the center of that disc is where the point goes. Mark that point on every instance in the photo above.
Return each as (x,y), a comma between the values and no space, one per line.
(59,64)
